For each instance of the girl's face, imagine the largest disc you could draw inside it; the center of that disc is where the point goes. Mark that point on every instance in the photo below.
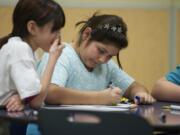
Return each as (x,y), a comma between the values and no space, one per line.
(44,37)
(96,53)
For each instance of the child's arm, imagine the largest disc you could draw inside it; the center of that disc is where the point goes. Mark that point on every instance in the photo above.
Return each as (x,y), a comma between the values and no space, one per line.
(136,89)
(61,95)
(54,53)
(166,90)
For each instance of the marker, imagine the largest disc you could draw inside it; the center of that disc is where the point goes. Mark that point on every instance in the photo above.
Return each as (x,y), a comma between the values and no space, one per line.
(111,86)
(173,107)
(124,100)
(138,99)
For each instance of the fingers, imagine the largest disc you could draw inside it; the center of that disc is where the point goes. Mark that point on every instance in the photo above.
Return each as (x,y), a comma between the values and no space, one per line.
(144,98)
(117,90)
(14,107)
(54,45)
(61,47)
(56,41)
(14,104)
(56,48)
(116,94)
(151,99)
(148,99)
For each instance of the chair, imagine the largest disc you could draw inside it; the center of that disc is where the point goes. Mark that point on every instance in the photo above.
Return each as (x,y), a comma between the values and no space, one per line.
(74,122)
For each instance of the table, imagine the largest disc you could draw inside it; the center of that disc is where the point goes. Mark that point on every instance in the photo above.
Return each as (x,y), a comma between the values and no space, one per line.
(23,117)
(153,113)
(150,112)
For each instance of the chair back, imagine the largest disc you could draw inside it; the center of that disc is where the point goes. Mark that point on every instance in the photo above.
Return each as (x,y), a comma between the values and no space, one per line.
(73,122)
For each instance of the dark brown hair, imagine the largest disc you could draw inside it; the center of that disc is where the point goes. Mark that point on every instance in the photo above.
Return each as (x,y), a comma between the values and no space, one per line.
(106,35)
(40,11)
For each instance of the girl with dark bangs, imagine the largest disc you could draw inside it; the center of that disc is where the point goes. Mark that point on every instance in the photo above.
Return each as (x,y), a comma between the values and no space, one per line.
(36,24)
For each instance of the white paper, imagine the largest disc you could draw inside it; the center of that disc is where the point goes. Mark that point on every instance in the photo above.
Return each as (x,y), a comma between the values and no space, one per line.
(103,108)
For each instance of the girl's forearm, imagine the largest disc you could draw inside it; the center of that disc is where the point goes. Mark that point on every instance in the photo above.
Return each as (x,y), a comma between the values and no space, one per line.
(61,95)
(165,90)
(45,80)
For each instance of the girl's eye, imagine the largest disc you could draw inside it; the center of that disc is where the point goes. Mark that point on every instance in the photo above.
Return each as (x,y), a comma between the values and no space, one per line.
(101,51)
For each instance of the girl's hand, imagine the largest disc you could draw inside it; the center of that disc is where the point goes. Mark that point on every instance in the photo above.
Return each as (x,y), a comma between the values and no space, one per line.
(56,49)
(14,103)
(143,98)
(111,95)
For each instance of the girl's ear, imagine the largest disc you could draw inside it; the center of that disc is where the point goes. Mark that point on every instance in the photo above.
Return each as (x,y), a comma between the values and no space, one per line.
(32,27)
(86,33)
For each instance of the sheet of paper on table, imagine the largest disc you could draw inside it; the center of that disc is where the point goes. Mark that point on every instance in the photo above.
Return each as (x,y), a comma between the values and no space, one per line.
(104,108)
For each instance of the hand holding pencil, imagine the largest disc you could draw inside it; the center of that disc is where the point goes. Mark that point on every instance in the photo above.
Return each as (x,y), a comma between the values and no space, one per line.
(110,96)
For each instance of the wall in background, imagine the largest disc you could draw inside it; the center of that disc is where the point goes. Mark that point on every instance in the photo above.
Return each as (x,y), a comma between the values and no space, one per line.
(147,57)
(6,21)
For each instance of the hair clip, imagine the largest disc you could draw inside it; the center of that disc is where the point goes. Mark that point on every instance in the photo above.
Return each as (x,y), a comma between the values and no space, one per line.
(106,26)
(113,28)
(119,29)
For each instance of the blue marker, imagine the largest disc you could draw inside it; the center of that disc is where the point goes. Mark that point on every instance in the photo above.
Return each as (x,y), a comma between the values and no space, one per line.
(138,99)
(111,86)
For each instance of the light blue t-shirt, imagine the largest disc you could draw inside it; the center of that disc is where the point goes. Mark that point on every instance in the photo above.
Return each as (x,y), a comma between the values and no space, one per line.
(174,76)
(70,72)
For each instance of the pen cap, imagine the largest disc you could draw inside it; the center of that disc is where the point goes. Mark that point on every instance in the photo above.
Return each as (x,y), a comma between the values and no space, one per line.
(137,98)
